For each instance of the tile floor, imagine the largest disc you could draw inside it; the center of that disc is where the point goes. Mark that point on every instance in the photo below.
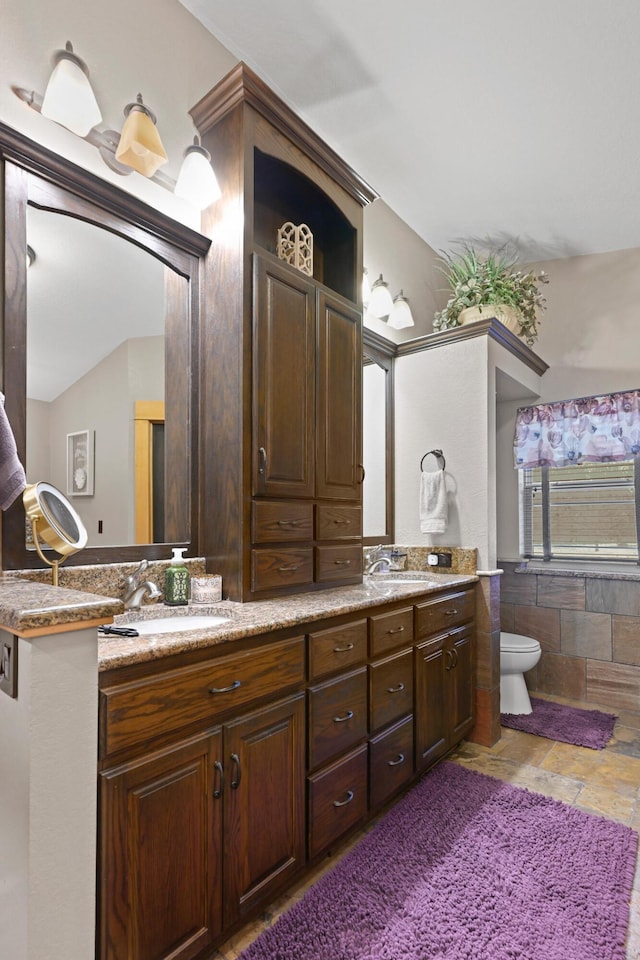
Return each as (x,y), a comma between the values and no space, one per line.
(604,782)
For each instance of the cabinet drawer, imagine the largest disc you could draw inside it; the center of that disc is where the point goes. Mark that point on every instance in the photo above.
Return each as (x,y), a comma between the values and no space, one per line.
(338,563)
(337,800)
(390,762)
(390,630)
(337,522)
(288,567)
(337,648)
(140,710)
(390,689)
(274,522)
(445,611)
(337,716)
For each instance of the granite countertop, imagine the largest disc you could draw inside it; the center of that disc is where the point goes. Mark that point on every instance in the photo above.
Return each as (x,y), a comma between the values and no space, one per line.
(259,617)
(30,609)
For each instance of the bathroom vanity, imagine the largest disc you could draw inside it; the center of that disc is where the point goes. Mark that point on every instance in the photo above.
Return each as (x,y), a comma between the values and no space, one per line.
(232,759)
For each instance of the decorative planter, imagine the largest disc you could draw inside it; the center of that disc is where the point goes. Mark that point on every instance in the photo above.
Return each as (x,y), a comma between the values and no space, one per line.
(507,315)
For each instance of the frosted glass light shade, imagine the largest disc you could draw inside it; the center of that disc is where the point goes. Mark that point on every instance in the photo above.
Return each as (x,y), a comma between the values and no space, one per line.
(380,301)
(400,316)
(140,146)
(69,98)
(197,182)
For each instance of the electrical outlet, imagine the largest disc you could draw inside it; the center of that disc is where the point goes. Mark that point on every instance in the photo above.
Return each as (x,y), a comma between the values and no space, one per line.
(9,664)
(444,559)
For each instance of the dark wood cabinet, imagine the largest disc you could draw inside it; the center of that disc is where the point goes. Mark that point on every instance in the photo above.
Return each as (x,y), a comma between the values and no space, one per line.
(444,674)
(282,348)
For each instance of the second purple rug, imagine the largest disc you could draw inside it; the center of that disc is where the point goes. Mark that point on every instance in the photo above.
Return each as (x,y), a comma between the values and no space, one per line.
(556,721)
(466,867)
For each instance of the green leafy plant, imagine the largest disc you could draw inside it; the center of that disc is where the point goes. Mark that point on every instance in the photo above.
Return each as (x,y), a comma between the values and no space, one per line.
(483,280)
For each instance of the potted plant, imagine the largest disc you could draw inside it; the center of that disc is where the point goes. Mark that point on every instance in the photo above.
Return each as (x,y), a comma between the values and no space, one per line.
(489,285)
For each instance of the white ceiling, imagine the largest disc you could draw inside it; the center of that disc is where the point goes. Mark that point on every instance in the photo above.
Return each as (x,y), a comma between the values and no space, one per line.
(474,119)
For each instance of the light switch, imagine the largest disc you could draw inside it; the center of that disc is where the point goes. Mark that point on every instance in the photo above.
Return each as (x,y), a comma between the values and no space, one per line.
(9,665)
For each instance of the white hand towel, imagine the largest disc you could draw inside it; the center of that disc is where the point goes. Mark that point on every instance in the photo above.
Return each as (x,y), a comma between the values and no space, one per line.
(433,502)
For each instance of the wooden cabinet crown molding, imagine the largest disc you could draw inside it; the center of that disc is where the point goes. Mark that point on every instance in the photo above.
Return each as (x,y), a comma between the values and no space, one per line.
(242,85)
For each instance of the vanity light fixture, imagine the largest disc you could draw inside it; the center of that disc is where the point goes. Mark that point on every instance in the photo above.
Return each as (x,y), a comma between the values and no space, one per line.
(69,98)
(197,181)
(400,316)
(70,101)
(140,146)
(381,301)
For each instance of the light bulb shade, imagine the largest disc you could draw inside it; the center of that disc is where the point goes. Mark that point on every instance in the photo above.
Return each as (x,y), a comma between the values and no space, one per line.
(380,301)
(140,146)
(366,288)
(197,182)
(69,98)
(401,316)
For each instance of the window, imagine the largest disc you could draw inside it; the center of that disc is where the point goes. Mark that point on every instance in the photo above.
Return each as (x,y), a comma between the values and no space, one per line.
(586,512)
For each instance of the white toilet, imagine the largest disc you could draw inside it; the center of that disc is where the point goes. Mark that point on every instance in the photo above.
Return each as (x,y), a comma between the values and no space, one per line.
(517,655)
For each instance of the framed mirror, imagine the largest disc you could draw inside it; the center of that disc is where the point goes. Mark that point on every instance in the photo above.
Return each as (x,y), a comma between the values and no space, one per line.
(377,439)
(100,357)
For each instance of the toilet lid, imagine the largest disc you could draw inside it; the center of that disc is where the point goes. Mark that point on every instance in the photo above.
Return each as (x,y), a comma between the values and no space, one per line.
(513,642)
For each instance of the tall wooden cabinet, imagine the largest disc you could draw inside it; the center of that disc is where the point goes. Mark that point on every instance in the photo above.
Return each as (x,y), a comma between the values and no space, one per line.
(281,351)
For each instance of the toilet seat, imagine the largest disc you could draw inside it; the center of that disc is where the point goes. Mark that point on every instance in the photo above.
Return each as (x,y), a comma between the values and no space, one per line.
(514,643)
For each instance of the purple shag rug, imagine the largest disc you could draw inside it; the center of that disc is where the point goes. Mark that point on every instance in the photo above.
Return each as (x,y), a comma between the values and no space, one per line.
(466,867)
(556,721)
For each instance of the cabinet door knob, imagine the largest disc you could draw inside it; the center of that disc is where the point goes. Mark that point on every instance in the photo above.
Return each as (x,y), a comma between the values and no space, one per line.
(396,763)
(348,715)
(217,791)
(343,803)
(396,689)
(345,649)
(235,783)
(232,686)
(262,460)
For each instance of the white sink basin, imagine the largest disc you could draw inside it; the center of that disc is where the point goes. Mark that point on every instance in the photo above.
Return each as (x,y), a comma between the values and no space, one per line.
(173,624)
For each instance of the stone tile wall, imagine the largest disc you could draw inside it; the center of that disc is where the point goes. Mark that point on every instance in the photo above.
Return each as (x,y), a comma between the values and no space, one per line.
(589,631)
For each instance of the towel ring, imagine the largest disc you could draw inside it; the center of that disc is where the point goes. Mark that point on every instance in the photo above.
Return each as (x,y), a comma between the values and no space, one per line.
(436,453)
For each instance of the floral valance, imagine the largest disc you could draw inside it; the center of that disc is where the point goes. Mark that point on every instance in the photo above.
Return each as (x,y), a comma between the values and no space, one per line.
(589,430)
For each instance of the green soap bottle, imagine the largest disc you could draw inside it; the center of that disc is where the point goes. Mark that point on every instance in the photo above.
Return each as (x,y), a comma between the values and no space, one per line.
(176,580)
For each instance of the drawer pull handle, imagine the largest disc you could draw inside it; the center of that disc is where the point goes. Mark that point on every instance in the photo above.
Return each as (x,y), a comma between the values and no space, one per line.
(289,523)
(343,803)
(342,563)
(342,520)
(287,568)
(396,630)
(217,791)
(449,664)
(396,689)
(233,686)
(262,461)
(348,715)
(450,613)
(345,649)
(396,763)
(235,783)
(454,654)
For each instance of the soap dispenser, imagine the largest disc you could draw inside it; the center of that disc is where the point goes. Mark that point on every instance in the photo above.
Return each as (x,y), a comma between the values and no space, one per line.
(176,580)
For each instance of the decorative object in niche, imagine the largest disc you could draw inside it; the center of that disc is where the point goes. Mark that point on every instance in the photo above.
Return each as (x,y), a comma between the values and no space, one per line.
(80,463)
(295,246)
(491,285)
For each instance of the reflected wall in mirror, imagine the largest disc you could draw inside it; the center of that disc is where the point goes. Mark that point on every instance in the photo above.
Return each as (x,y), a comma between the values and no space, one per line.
(105,324)
(95,347)
(377,439)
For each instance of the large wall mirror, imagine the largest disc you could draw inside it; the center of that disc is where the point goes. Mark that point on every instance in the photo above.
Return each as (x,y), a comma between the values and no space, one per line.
(377,439)
(100,357)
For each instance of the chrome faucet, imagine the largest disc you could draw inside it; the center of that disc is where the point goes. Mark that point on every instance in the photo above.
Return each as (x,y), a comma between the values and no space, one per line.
(380,563)
(377,558)
(135,591)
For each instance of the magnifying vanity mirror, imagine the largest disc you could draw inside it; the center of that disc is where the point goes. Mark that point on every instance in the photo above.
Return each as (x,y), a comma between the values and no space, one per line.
(100,356)
(54,521)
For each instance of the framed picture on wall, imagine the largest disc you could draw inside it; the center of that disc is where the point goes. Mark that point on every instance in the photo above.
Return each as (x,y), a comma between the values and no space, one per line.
(80,478)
